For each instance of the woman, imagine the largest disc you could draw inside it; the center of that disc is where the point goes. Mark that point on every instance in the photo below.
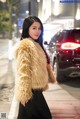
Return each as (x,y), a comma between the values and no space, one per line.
(33,71)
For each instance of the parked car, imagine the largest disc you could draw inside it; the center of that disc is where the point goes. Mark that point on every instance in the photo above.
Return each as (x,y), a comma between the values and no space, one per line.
(65,49)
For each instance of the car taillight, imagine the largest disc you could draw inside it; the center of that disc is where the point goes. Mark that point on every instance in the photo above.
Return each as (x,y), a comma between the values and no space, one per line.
(70,45)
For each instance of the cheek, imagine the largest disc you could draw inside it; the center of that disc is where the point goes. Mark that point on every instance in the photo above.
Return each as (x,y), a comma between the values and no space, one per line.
(30,32)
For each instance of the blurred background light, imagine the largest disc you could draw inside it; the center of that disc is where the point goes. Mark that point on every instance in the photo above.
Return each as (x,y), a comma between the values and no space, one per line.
(38,0)
(3,1)
(56,7)
(78,14)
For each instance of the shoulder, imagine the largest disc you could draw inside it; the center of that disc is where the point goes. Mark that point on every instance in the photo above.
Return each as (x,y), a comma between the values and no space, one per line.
(24,45)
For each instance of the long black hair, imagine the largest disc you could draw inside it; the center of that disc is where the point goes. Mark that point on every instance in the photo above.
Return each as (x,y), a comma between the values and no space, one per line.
(25,31)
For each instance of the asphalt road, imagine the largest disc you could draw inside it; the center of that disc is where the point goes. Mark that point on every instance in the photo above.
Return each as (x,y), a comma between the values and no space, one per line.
(72,86)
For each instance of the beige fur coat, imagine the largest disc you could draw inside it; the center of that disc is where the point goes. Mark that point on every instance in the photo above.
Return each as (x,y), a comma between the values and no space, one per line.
(32,71)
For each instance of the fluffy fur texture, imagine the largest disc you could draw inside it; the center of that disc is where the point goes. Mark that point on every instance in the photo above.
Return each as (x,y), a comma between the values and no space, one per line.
(32,70)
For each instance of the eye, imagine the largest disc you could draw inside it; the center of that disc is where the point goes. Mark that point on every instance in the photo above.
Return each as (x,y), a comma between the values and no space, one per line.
(34,28)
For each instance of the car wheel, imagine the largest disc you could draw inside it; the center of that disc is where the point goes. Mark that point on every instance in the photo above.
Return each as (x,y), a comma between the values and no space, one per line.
(59,75)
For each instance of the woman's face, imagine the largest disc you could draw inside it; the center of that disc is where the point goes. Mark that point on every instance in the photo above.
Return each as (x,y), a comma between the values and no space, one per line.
(35,30)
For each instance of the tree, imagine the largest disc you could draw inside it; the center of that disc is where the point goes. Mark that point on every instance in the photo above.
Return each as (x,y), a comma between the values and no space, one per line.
(6,18)
(9,2)
(4,21)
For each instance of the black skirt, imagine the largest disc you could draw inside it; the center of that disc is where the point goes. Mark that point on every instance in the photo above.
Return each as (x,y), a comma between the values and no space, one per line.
(36,108)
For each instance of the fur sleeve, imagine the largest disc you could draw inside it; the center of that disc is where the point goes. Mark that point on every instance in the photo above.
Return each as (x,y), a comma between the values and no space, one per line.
(23,79)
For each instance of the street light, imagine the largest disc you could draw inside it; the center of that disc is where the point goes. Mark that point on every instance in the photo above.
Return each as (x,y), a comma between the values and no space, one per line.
(27,12)
(3,1)
(78,14)
(38,0)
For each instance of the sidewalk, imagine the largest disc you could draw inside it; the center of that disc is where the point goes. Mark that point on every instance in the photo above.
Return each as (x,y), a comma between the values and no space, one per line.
(62,104)
(7,78)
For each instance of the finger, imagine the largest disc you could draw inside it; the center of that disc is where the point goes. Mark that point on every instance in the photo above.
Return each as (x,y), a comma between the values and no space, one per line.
(26,101)
(23,103)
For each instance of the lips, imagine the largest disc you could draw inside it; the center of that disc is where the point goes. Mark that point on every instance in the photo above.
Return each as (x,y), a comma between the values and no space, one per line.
(37,35)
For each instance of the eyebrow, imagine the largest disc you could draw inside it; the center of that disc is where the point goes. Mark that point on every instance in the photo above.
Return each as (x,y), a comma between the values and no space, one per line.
(36,26)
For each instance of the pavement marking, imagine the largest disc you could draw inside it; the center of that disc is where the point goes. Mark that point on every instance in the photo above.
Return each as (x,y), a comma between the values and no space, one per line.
(14,109)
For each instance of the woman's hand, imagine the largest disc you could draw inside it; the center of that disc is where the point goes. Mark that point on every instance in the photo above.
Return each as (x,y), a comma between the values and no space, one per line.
(56,82)
(51,74)
(24,103)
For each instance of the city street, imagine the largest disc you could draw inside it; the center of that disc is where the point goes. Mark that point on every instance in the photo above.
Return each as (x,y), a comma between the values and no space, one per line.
(55,24)
(72,86)
(63,99)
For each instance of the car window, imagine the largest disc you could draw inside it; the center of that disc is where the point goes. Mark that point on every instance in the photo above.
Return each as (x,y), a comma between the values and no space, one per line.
(53,39)
(60,38)
(56,37)
(72,35)
(77,36)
